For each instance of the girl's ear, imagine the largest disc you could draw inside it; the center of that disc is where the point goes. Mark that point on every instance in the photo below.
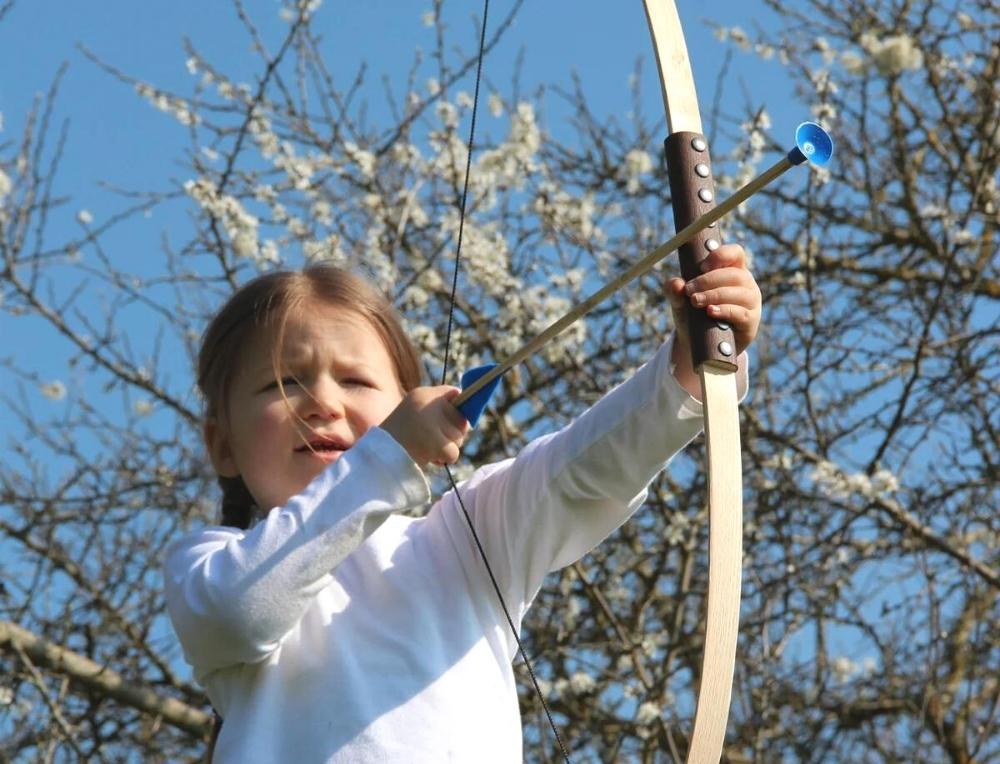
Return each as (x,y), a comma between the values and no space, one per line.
(217,445)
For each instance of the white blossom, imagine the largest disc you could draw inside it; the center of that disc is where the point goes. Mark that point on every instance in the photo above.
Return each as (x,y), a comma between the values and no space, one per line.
(297,227)
(648,713)
(933,211)
(265,193)
(85,217)
(322,212)
(240,226)
(495,104)
(893,54)
(447,113)
(637,163)
(843,668)
(581,683)
(298,169)
(564,214)
(269,252)
(738,36)
(143,407)
(55,391)
(964,237)
(427,18)
(365,160)
(178,107)
(264,137)
(678,528)
(841,485)
(765,51)
(883,482)
(852,62)
(5,185)
(407,155)
(825,50)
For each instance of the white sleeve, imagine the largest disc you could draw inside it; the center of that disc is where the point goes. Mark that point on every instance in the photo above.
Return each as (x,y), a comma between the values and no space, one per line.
(232,595)
(566,492)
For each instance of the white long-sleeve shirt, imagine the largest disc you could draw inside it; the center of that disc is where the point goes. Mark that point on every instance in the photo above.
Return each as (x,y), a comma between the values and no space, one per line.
(339,630)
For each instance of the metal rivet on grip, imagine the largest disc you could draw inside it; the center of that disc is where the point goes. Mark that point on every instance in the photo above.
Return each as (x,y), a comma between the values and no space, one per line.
(725,348)
(698,144)
(705,195)
(701,170)
(711,245)
(722,325)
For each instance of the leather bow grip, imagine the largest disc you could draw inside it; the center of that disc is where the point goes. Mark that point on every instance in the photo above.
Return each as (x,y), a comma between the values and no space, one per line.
(692,190)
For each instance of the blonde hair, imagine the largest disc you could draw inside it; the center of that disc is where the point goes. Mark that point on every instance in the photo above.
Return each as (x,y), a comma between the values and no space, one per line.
(266,304)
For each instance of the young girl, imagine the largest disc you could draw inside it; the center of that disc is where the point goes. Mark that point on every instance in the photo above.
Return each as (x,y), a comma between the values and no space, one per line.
(326,624)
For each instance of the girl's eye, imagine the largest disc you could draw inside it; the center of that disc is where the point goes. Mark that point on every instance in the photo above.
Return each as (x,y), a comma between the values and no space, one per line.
(285,382)
(357,382)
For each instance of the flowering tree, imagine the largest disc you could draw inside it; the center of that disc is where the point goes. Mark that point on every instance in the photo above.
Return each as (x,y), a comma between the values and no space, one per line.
(870,617)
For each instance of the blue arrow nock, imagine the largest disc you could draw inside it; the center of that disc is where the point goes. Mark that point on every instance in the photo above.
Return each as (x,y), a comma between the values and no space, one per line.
(472,409)
(812,144)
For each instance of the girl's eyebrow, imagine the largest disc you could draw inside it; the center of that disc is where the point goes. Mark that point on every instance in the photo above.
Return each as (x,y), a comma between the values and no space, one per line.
(297,361)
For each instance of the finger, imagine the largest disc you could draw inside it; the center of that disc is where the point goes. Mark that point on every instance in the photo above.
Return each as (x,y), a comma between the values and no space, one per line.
(455,424)
(450,453)
(737,315)
(726,256)
(448,392)
(454,432)
(726,295)
(721,278)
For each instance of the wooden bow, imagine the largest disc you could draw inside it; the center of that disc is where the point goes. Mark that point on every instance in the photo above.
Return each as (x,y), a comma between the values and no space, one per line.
(713,352)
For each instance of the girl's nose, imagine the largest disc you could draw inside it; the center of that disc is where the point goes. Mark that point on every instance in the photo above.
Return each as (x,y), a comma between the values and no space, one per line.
(326,400)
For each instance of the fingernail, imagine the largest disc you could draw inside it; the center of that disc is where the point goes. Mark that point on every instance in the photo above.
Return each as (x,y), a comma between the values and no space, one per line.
(689,288)
(698,299)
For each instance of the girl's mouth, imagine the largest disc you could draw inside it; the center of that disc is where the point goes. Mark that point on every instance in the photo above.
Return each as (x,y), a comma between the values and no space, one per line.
(326,449)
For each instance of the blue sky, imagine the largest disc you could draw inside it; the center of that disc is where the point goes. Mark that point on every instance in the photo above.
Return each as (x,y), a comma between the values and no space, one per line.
(117,138)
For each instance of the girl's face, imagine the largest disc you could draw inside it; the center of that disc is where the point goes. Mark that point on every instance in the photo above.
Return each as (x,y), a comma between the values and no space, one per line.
(339,380)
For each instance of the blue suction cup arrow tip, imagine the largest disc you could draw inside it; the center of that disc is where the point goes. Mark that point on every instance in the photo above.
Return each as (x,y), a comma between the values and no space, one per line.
(472,409)
(812,144)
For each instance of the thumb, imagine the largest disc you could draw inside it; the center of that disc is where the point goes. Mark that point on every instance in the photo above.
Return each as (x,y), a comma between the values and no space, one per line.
(678,304)
(675,293)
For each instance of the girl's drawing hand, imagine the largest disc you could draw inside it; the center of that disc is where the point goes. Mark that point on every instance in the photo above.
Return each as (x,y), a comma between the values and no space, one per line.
(428,426)
(726,289)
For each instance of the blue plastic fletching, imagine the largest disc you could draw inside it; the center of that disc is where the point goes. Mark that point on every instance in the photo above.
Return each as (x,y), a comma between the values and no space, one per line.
(472,409)
(812,144)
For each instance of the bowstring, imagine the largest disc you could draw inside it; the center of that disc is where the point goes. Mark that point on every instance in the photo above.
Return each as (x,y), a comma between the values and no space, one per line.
(444,377)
